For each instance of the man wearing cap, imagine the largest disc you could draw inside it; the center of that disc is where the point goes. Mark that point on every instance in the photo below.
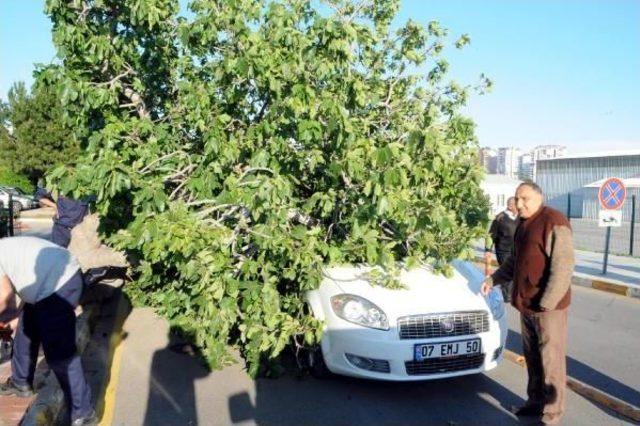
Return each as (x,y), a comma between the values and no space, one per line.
(541,268)
(49,282)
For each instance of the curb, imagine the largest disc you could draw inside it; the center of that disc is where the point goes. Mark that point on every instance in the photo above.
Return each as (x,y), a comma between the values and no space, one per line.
(47,408)
(588,392)
(105,405)
(608,286)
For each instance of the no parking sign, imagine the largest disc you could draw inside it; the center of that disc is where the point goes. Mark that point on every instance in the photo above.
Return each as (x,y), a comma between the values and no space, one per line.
(611,195)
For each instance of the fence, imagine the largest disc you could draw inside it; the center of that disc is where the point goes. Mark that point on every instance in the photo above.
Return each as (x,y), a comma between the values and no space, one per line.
(625,239)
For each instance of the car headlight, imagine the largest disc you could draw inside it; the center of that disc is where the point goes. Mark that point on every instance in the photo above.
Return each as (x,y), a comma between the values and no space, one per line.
(496,303)
(359,310)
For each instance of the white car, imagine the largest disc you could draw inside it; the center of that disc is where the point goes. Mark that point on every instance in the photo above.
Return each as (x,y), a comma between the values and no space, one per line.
(20,200)
(436,327)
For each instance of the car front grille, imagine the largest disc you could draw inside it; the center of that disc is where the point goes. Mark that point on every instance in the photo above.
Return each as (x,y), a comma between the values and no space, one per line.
(443,324)
(444,365)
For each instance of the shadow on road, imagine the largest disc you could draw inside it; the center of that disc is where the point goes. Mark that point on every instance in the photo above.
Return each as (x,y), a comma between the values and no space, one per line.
(172,396)
(586,374)
(345,401)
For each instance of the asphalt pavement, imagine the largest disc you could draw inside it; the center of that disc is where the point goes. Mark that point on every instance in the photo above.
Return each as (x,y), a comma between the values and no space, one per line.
(604,342)
(158,386)
(36,227)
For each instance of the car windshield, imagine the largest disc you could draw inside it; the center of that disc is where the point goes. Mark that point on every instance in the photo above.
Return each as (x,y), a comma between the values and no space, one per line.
(15,191)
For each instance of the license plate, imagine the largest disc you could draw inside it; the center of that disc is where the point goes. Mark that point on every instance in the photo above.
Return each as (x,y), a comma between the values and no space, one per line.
(447,349)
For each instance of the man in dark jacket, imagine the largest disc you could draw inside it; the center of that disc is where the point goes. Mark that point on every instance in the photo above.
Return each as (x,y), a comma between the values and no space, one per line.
(541,268)
(502,230)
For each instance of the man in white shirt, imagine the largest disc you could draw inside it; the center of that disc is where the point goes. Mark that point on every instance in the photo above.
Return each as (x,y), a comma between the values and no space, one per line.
(49,282)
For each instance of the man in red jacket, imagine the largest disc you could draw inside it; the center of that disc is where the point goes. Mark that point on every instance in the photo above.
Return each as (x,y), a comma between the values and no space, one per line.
(541,268)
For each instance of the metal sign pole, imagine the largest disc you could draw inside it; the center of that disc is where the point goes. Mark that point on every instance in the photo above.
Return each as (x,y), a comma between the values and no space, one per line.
(633,223)
(606,251)
(10,215)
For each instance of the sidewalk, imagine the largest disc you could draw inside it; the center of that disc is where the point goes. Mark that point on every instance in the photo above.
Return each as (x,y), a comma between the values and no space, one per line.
(12,408)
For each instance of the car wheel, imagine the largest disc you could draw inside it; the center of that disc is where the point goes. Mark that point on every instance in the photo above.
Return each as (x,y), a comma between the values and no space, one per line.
(317,367)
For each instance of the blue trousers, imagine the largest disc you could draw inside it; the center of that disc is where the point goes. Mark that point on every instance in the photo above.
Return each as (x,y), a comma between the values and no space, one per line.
(60,235)
(51,322)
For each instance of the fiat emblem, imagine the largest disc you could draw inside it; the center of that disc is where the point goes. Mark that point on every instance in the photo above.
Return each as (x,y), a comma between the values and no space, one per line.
(447,325)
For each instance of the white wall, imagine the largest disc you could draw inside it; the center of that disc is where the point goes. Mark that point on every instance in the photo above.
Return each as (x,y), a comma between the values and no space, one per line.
(499,193)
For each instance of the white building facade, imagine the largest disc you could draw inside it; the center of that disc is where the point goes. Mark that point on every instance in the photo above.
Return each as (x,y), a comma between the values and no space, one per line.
(508,161)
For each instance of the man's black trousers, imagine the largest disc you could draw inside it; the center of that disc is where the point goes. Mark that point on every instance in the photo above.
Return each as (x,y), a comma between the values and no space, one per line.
(52,323)
(502,256)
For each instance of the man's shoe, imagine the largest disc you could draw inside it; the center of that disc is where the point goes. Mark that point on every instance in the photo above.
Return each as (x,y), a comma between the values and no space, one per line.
(528,410)
(551,419)
(89,420)
(10,388)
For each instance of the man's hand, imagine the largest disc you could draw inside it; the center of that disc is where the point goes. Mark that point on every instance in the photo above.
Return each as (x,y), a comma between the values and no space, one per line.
(21,226)
(486,287)
(488,257)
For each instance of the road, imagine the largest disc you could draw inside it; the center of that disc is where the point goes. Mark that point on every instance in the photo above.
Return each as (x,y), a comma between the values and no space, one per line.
(604,342)
(35,227)
(157,386)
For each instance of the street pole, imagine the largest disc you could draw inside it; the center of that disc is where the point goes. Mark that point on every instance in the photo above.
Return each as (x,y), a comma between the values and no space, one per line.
(633,223)
(10,215)
(606,251)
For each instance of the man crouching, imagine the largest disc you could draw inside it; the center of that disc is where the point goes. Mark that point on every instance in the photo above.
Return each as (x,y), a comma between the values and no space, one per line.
(49,282)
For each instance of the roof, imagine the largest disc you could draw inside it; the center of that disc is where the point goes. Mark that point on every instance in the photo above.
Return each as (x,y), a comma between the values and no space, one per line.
(495,179)
(633,182)
(623,153)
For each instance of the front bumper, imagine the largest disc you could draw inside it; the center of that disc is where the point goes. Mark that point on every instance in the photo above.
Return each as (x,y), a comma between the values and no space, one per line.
(340,344)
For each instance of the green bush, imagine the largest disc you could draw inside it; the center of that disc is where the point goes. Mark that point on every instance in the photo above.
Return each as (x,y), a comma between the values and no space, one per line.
(11,178)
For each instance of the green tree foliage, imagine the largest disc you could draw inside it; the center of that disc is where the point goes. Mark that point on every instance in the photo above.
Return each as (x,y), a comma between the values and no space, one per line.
(239,151)
(12,179)
(33,139)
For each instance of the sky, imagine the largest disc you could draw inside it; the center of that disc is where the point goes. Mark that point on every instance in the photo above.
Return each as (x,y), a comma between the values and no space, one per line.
(564,71)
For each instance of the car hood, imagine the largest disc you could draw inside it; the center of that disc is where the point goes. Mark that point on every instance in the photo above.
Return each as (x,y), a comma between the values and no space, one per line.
(424,292)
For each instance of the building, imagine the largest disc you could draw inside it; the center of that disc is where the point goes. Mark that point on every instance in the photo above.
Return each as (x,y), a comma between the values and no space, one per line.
(569,182)
(508,161)
(546,152)
(499,188)
(488,159)
(525,167)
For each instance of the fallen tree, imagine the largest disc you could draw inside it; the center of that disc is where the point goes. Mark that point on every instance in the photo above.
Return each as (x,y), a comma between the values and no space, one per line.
(239,150)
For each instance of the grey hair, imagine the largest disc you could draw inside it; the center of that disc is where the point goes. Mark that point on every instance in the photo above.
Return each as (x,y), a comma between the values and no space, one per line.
(531,185)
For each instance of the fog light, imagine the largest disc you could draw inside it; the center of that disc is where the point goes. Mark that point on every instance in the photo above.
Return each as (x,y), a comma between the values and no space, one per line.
(370,364)
(497,353)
